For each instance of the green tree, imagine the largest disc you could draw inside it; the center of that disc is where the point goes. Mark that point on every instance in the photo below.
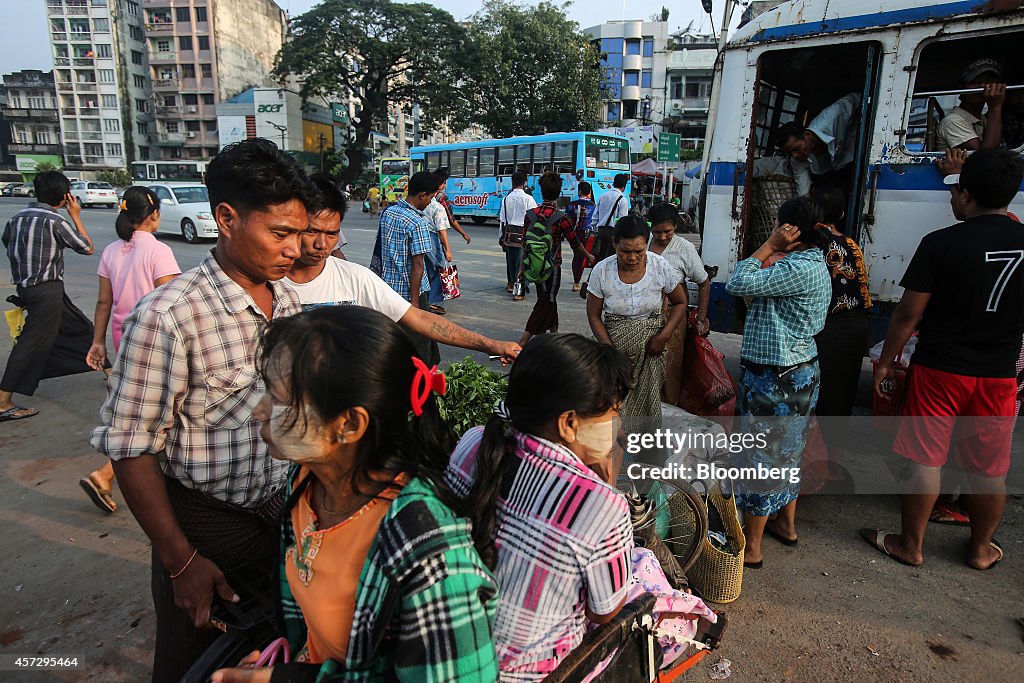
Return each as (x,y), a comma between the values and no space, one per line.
(530,70)
(384,53)
(44,166)
(117,178)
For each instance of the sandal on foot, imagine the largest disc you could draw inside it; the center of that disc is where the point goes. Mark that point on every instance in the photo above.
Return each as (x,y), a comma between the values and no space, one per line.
(876,539)
(102,499)
(947,514)
(434,308)
(12,414)
(583,290)
(998,549)
(576,287)
(780,538)
(753,565)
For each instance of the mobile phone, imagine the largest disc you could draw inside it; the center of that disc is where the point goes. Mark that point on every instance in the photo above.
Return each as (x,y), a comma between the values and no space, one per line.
(495,357)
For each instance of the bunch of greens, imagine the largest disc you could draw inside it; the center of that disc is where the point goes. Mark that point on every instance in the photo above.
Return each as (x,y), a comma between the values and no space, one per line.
(473,390)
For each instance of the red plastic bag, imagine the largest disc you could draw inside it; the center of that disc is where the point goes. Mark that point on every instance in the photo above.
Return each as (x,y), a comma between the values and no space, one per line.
(707,385)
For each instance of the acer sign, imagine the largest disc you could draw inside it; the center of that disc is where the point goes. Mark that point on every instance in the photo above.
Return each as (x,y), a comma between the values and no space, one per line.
(269,108)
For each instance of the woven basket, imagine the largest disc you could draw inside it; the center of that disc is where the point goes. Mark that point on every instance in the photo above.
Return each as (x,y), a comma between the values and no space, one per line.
(717,574)
(770,193)
(684,526)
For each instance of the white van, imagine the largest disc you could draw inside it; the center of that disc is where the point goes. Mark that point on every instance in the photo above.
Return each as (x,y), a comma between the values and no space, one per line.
(903,57)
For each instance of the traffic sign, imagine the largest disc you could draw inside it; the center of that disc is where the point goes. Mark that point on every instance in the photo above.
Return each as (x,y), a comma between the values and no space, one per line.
(668,147)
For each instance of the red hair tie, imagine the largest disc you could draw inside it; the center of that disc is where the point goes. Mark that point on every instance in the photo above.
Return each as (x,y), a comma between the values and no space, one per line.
(425,381)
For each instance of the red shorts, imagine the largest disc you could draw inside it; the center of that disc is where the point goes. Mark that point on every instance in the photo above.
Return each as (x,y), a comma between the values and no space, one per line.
(974,413)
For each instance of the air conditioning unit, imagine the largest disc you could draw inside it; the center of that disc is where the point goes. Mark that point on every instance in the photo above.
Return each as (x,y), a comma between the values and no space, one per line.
(191,133)
(192,109)
(677,106)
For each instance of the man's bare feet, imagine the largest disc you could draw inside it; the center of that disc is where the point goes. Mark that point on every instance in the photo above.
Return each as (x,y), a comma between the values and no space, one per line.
(984,557)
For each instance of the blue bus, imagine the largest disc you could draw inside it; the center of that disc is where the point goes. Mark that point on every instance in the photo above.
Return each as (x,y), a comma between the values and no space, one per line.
(481,172)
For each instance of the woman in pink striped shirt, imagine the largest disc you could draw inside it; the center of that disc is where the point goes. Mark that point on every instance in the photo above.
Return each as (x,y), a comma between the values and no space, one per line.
(130,268)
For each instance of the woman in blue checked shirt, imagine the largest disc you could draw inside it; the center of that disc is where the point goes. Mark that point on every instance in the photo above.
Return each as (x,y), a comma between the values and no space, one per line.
(779,386)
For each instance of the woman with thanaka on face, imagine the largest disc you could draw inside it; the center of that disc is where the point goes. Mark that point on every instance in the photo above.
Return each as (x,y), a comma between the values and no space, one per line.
(130,268)
(369,543)
(539,482)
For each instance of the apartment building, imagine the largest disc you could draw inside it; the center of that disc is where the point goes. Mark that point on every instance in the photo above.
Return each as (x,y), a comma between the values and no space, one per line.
(202,53)
(31,109)
(633,55)
(689,73)
(101,80)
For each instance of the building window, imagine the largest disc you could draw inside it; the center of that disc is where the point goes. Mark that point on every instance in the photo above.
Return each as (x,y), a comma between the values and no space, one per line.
(675,87)
(629,110)
(142,128)
(190,99)
(200,14)
(103,51)
(133,8)
(699,87)
(163,46)
(210,125)
(106,75)
(139,81)
(185,42)
(111,125)
(188,70)
(192,126)
(206,70)
(141,104)
(181,14)
(93,150)
(136,57)
(109,101)
(170,101)
(171,126)
(135,32)
(631,78)
(101,25)
(144,153)
(207,98)
(166,74)
(113,149)
(613,111)
(14,101)
(645,78)
(204,42)
(36,103)
(632,47)
(648,47)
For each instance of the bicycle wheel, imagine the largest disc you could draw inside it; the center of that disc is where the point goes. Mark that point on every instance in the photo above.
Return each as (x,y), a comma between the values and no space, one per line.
(679,514)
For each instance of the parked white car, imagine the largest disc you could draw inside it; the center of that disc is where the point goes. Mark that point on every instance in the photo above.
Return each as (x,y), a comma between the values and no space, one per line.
(92,192)
(188,208)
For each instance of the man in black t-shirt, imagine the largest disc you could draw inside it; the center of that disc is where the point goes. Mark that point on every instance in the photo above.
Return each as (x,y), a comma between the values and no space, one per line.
(964,292)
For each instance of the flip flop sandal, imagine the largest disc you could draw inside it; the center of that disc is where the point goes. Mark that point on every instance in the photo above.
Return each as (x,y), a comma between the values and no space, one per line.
(434,308)
(12,414)
(583,291)
(753,565)
(876,539)
(947,514)
(780,538)
(102,499)
(999,549)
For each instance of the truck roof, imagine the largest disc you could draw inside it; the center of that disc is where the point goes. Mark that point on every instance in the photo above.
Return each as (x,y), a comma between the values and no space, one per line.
(801,18)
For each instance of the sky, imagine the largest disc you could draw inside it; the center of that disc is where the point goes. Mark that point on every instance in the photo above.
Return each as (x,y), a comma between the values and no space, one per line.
(26,43)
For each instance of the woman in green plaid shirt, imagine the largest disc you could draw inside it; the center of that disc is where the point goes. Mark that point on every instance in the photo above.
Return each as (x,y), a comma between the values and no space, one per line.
(779,386)
(379,579)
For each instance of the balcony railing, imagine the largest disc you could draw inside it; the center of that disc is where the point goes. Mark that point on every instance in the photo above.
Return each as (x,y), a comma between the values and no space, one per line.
(34,114)
(75,9)
(60,36)
(83,61)
(62,61)
(171,138)
(68,109)
(80,35)
(85,86)
(157,56)
(34,148)
(90,135)
(168,111)
(166,84)
(89,110)
(160,27)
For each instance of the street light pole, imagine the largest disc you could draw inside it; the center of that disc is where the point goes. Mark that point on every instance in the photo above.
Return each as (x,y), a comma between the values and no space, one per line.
(322,141)
(282,130)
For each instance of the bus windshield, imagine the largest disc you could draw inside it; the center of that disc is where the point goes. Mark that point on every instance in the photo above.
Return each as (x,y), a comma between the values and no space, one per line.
(608,153)
(394,167)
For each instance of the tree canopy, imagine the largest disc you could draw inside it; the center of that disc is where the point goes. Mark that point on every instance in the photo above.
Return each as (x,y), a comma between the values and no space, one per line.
(382,52)
(528,70)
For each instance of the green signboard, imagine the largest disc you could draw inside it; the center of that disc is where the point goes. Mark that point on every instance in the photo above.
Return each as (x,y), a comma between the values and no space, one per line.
(339,112)
(668,147)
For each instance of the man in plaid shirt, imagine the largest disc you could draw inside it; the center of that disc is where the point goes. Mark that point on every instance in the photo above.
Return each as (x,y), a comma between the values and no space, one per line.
(403,242)
(178,422)
(544,317)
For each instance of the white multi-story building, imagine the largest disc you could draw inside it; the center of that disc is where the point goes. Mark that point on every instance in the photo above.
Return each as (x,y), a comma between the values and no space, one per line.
(634,55)
(690,70)
(102,81)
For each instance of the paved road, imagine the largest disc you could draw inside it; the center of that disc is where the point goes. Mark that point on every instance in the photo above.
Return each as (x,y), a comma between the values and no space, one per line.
(77,582)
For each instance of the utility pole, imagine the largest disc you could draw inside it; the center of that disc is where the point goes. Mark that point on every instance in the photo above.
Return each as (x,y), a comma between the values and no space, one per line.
(323,140)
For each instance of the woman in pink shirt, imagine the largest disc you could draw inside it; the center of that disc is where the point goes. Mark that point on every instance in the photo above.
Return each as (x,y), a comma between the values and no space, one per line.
(130,268)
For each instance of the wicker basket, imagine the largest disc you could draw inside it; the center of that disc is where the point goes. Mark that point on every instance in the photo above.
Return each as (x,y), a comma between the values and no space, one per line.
(685,527)
(717,574)
(770,193)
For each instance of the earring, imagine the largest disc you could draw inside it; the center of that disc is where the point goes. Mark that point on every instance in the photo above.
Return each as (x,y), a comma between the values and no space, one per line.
(340,438)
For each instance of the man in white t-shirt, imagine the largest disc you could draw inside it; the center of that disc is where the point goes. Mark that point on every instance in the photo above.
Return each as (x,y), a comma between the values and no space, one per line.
(320,279)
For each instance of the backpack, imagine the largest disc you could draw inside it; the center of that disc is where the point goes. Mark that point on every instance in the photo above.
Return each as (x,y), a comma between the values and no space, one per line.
(538,247)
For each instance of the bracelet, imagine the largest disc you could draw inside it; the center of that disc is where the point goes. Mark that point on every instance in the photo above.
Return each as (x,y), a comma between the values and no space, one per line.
(182,570)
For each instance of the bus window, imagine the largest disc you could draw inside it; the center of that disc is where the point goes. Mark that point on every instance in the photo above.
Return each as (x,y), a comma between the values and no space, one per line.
(565,157)
(523,158)
(939,84)
(417,165)
(607,153)
(541,158)
(458,164)
(471,162)
(443,160)
(487,158)
(433,161)
(506,160)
